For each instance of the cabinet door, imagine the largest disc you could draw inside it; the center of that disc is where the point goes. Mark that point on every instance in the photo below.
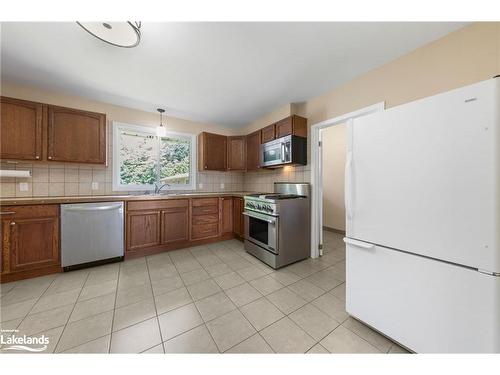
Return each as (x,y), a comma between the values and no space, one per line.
(268,133)
(33,243)
(21,128)
(76,136)
(143,229)
(212,152)
(236,153)
(238,216)
(253,150)
(284,127)
(174,225)
(227,215)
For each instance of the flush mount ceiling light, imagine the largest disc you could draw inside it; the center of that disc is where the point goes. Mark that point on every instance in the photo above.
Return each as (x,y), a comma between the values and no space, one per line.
(121,34)
(161,131)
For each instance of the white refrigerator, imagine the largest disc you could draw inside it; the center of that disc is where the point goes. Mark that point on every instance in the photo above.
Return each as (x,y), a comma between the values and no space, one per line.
(423,221)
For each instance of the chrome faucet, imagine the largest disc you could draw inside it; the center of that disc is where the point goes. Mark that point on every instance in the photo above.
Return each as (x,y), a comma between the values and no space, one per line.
(158,187)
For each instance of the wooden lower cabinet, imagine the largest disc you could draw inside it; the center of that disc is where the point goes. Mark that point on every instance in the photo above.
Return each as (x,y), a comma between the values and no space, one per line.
(238,218)
(30,241)
(143,229)
(175,223)
(226,214)
(203,211)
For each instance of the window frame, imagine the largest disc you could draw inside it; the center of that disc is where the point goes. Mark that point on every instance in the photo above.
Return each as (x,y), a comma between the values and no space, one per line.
(117,186)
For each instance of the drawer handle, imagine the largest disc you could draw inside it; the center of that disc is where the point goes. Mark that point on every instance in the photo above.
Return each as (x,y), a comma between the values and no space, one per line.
(7,213)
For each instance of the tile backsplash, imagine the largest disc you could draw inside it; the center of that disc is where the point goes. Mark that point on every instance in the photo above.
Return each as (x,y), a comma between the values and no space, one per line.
(263,180)
(69,179)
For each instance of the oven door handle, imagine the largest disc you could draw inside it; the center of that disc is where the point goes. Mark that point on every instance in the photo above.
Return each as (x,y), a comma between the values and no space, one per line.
(257,216)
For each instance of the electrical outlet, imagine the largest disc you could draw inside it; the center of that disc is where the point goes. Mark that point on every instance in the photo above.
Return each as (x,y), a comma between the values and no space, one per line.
(222,185)
(23,186)
(200,185)
(95,185)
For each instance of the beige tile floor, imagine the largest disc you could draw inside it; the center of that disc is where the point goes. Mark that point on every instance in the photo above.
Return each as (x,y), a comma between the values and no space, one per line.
(206,299)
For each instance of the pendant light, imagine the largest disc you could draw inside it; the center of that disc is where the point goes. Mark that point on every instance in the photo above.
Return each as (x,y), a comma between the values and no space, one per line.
(120,34)
(161,131)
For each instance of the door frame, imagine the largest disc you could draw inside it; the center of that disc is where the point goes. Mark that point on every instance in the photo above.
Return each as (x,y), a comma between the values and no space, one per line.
(317,170)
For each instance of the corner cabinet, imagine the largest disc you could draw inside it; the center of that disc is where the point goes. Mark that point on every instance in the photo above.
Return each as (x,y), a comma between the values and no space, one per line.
(76,136)
(30,241)
(238,218)
(43,132)
(226,215)
(212,152)
(253,151)
(21,127)
(236,153)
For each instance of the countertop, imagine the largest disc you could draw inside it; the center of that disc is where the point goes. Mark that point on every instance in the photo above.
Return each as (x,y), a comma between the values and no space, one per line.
(116,198)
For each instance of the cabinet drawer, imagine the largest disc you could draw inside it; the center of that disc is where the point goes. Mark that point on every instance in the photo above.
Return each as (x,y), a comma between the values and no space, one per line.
(204,230)
(42,210)
(205,219)
(198,202)
(157,204)
(206,210)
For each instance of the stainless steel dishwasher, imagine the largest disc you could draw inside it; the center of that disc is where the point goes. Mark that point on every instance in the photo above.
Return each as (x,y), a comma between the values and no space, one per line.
(91,233)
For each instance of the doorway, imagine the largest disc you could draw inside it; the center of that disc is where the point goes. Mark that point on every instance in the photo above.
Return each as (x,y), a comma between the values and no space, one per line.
(318,170)
(333,158)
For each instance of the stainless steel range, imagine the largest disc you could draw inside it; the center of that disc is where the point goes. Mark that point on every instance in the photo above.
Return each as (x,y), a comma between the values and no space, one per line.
(278,226)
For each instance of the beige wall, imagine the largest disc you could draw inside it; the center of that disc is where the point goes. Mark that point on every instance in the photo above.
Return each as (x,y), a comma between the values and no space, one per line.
(70,179)
(466,56)
(334,153)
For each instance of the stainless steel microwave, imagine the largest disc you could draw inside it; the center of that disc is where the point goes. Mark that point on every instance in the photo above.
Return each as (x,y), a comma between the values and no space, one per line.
(287,150)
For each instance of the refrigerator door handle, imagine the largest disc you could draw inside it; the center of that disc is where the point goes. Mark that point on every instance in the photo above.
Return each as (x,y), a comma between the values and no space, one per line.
(349,186)
(361,244)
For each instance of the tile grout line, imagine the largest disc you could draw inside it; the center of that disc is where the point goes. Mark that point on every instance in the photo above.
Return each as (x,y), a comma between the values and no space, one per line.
(114,308)
(196,306)
(154,303)
(69,316)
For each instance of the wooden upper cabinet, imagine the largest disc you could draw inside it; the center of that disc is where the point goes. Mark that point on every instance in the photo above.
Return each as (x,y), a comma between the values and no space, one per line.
(226,215)
(268,133)
(253,150)
(212,152)
(21,129)
(236,153)
(76,136)
(295,125)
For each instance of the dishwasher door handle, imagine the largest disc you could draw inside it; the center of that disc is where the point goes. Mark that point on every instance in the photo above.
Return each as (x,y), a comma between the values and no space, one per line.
(97,208)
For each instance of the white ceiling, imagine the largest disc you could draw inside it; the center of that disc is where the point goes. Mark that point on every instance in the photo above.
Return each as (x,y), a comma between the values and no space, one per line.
(227,73)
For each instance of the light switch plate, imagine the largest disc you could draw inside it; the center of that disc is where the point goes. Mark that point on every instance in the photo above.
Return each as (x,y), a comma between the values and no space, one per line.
(222,185)
(23,186)
(95,185)
(200,185)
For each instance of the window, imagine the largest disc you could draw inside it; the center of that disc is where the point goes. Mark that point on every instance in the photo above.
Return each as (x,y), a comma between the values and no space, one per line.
(140,159)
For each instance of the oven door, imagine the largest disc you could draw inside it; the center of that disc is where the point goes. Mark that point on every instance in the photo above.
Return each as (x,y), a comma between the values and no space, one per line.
(262,230)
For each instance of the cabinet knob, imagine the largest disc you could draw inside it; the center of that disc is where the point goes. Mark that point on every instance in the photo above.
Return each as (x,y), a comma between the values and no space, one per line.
(13,223)
(37,157)
(50,157)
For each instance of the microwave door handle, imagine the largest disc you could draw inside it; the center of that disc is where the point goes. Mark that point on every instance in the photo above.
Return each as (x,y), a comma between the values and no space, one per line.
(283,158)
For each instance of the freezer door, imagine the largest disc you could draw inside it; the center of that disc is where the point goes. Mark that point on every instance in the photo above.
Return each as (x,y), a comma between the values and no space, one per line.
(424,177)
(426,305)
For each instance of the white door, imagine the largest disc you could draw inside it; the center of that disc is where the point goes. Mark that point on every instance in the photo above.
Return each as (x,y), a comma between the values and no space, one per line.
(424,177)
